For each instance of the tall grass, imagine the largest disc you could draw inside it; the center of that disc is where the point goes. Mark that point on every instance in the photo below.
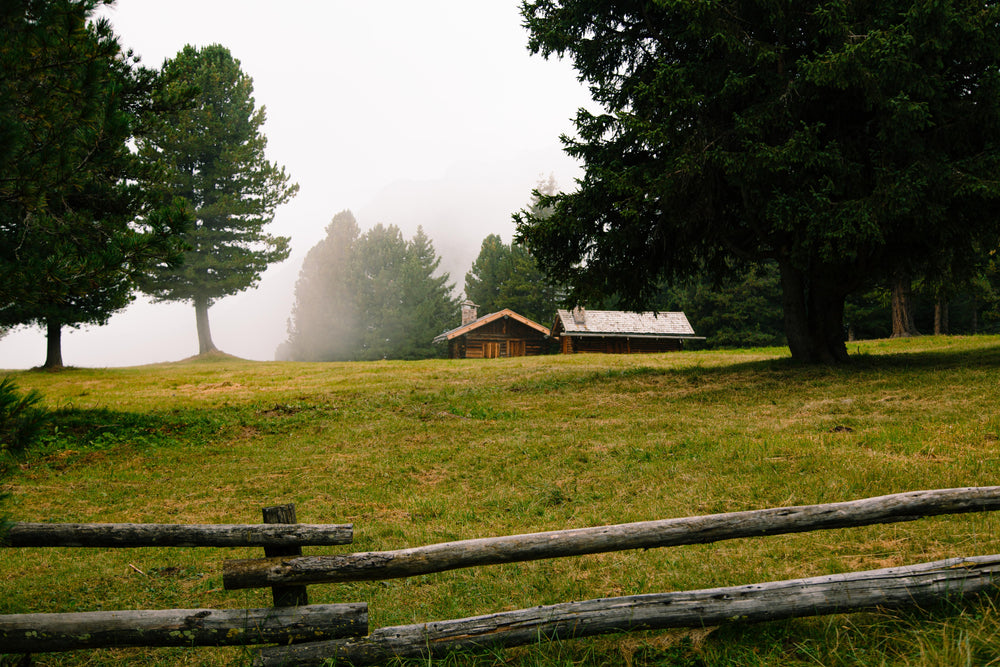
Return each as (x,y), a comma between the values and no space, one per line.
(422,452)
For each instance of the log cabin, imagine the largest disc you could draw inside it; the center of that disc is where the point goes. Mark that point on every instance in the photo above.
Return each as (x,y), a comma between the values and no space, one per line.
(620,332)
(500,334)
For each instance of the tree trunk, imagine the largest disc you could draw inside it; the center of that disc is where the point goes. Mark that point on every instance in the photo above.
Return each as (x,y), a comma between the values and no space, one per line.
(941,316)
(814,317)
(902,307)
(53,345)
(205,343)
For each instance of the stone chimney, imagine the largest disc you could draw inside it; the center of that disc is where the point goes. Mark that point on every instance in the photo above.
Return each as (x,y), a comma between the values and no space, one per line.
(469,312)
(579,315)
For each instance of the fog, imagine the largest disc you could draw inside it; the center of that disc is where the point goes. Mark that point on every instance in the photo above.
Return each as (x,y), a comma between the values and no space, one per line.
(430,113)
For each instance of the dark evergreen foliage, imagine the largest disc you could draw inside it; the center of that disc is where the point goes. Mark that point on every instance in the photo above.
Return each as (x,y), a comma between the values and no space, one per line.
(369,296)
(215,151)
(21,416)
(843,141)
(741,311)
(507,276)
(79,220)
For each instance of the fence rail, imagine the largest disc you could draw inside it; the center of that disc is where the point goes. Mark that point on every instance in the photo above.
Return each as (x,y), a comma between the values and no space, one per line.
(343,628)
(37,633)
(913,585)
(377,565)
(128,535)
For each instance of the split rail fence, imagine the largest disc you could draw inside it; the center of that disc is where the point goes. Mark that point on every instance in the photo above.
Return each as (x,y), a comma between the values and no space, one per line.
(311,634)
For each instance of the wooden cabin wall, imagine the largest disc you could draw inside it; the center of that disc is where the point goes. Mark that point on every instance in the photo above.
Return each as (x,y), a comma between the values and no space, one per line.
(615,345)
(499,339)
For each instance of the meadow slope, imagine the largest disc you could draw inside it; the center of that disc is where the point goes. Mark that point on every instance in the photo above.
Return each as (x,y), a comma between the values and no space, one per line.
(415,453)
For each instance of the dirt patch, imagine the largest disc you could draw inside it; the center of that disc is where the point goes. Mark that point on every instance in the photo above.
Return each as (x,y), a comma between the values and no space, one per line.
(431,477)
(225,387)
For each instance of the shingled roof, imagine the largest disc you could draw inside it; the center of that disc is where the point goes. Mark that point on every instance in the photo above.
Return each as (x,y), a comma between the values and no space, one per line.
(581,322)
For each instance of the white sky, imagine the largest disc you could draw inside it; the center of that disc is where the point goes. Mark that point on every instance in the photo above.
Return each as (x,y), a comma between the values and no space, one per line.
(410,113)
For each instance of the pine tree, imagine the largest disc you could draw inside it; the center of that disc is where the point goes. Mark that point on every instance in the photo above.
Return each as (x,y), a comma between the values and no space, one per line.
(325,323)
(79,221)
(215,150)
(379,264)
(370,296)
(430,307)
(507,276)
(842,141)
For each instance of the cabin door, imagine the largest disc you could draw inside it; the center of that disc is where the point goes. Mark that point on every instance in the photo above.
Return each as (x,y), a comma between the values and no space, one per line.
(515,348)
(491,350)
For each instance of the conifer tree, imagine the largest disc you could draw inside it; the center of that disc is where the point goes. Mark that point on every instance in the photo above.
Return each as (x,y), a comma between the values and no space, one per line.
(507,276)
(369,296)
(215,150)
(79,221)
(431,308)
(324,323)
(843,141)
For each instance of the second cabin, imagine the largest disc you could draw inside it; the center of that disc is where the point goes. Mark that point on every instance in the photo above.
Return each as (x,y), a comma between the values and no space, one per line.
(620,332)
(500,334)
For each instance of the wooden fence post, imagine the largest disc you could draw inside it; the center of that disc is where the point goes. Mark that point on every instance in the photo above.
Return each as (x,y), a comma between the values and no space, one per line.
(285,596)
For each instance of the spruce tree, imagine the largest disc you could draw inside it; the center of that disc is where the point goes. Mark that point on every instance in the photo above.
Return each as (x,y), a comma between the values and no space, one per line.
(369,296)
(507,276)
(79,220)
(324,325)
(431,308)
(215,150)
(843,141)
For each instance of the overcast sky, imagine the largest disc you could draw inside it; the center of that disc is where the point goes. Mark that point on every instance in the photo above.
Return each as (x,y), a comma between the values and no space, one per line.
(410,113)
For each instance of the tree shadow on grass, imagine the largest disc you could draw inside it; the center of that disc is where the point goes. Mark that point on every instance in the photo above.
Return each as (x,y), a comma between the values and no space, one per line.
(784,369)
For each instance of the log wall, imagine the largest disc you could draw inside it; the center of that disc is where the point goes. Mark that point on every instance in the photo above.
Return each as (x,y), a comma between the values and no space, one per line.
(501,338)
(617,344)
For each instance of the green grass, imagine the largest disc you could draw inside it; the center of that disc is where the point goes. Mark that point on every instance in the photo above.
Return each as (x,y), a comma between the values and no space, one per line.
(415,453)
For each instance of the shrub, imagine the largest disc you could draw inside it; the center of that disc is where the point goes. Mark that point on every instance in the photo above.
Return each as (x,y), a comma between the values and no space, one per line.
(21,416)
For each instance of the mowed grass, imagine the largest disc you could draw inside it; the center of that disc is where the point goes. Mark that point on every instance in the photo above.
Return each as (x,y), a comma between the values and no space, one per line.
(416,453)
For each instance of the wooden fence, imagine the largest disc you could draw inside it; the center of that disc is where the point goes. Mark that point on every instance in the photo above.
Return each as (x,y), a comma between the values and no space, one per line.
(292,618)
(343,628)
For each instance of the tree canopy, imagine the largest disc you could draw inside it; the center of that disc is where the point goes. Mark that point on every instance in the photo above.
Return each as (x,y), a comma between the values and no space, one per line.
(79,222)
(368,296)
(215,151)
(843,141)
(506,275)
(740,311)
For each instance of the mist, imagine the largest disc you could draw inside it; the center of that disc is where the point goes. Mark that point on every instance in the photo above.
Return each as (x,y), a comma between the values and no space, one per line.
(431,114)
(457,210)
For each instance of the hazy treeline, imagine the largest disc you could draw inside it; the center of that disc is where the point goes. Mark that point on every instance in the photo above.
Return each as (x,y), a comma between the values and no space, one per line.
(375,296)
(368,296)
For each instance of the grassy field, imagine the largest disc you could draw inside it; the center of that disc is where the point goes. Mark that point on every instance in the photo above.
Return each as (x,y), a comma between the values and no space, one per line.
(415,453)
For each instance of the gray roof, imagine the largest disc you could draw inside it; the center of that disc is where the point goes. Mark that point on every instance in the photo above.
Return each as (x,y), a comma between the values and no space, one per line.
(622,323)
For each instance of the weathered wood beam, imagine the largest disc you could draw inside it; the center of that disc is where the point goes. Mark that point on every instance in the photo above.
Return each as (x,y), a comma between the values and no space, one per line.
(174,535)
(256,573)
(893,587)
(42,633)
(285,596)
